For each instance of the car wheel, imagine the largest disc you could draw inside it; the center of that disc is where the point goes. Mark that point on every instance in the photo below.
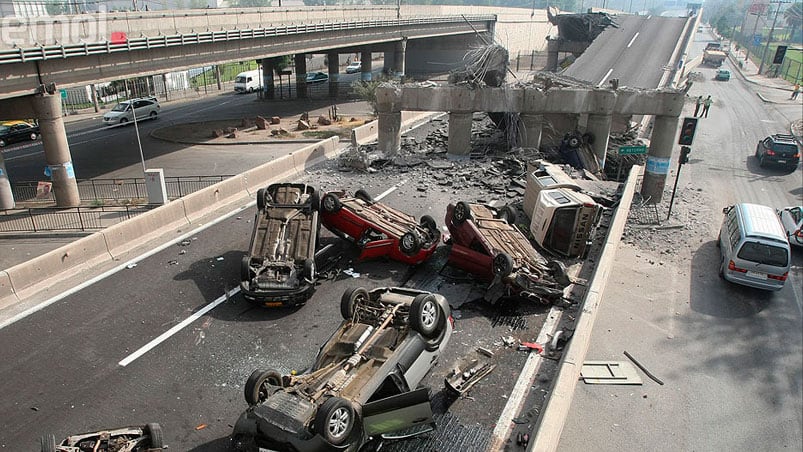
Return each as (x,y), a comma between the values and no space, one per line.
(258,386)
(48,443)
(154,430)
(245,269)
(722,270)
(761,161)
(2,143)
(262,199)
(309,269)
(351,297)
(429,225)
(558,272)
(508,213)
(363,195)
(461,212)
(574,142)
(315,201)
(330,203)
(123,120)
(425,315)
(34,136)
(502,264)
(409,243)
(335,420)
(152,115)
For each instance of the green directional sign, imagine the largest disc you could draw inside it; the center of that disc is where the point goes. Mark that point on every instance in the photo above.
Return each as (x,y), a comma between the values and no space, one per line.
(63,93)
(632,150)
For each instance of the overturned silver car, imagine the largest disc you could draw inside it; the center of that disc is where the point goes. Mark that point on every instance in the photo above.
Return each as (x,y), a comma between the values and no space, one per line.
(363,382)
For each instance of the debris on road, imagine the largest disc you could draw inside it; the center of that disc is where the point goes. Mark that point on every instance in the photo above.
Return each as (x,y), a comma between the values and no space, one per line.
(609,373)
(652,377)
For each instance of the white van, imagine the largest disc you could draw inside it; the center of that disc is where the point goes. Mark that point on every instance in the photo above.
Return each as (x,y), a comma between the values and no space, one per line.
(542,175)
(247,82)
(754,248)
(564,221)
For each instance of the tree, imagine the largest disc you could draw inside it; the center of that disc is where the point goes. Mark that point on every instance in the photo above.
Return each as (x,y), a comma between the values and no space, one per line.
(794,19)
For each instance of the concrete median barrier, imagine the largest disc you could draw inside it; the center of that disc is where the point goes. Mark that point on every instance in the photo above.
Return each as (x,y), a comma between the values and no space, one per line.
(123,237)
(201,202)
(310,156)
(34,275)
(7,295)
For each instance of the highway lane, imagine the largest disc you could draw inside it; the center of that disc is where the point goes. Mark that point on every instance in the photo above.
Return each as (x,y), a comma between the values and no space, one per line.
(636,52)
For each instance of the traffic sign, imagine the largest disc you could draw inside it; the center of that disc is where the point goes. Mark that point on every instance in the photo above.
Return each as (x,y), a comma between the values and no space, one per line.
(632,150)
(63,93)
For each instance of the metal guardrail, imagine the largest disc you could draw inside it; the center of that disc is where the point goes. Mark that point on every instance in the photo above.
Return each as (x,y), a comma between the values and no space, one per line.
(43,219)
(117,189)
(52,52)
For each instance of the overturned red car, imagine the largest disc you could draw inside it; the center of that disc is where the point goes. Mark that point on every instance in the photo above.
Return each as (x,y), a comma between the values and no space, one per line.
(377,229)
(486,243)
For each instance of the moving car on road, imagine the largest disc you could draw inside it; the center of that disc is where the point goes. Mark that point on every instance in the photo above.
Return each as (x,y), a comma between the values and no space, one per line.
(145,108)
(778,149)
(377,229)
(313,78)
(792,221)
(125,439)
(486,243)
(354,67)
(363,382)
(279,269)
(723,75)
(15,131)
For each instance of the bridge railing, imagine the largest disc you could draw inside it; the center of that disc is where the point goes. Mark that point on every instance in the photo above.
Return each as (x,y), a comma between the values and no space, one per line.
(48,219)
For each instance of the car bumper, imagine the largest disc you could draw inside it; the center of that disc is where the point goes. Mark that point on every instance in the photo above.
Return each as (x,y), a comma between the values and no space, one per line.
(277,298)
(789,162)
(255,424)
(743,279)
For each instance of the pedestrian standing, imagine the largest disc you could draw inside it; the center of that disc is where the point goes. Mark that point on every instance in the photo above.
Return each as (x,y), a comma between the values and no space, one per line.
(706,105)
(697,104)
(795,91)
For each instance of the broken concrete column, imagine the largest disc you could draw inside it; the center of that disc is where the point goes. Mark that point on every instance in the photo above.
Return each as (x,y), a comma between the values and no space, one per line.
(389,133)
(399,55)
(658,158)
(47,108)
(599,126)
(460,133)
(531,135)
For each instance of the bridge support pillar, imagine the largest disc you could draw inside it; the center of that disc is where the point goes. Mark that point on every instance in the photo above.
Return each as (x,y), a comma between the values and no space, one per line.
(365,60)
(6,195)
(389,133)
(47,108)
(301,75)
(658,158)
(267,79)
(599,126)
(459,133)
(333,64)
(533,125)
(399,54)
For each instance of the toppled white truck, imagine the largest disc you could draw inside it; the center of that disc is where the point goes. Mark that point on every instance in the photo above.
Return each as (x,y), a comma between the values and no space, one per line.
(713,54)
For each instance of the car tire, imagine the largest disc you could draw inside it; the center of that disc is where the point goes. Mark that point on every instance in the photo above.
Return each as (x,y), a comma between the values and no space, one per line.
(263,199)
(2,143)
(426,316)
(330,203)
(508,213)
(245,269)
(363,195)
(123,120)
(315,201)
(502,264)
(34,137)
(409,243)
(574,142)
(428,224)
(461,212)
(48,443)
(257,387)
(154,430)
(335,420)
(762,162)
(348,302)
(153,115)
(309,269)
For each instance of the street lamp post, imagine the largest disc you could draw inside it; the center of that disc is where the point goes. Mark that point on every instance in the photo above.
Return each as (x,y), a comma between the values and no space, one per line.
(769,38)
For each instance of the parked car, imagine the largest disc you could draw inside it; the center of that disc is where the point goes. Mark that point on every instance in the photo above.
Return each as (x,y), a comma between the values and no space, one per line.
(792,221)
(486,243)
(778,149)
(723,75)
(15,131)
(124,439)
(354,67)
(377,229)
(363,383)
(145,108)
(279,269)
(313,78)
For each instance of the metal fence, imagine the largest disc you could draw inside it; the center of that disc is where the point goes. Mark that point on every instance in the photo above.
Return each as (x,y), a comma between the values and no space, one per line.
(43,219)
(791,69)
(125,190)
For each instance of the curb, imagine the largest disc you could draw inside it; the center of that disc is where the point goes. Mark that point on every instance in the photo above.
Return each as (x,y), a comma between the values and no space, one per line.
(550,426)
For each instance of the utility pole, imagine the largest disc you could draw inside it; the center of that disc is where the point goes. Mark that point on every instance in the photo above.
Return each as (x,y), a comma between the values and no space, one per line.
(769,38)
(750,40)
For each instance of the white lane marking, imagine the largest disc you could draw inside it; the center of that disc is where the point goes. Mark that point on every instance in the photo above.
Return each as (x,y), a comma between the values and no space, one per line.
(390,190)
(608,74)
(166,335)
(631,41)
(519,393)
(122,266)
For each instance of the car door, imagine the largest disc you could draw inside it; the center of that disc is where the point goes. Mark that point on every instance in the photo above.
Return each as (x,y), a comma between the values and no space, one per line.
(397,413)
(18,132)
